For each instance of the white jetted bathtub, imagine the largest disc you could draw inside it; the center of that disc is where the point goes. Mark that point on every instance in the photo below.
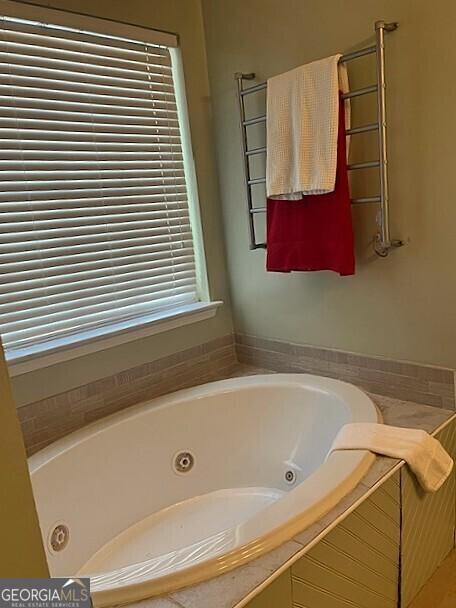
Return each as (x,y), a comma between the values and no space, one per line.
(184,487)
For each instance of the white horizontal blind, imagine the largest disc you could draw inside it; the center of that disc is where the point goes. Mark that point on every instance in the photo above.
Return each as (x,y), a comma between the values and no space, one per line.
(94,218)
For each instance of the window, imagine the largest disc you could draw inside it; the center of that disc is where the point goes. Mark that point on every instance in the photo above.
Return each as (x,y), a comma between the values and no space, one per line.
(95,223)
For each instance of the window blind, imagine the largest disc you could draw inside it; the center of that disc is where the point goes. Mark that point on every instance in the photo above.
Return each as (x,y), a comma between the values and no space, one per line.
(94,215)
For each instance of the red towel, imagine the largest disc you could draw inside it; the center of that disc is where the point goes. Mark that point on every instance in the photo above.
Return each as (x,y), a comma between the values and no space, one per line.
(314,232)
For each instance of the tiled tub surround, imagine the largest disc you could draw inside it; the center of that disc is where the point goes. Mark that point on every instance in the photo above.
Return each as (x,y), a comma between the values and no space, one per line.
(398,379)
(49,419)
(276,578)
(45,421)
(241,587)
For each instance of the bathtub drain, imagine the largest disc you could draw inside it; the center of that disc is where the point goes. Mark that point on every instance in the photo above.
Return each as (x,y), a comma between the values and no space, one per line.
(183,462)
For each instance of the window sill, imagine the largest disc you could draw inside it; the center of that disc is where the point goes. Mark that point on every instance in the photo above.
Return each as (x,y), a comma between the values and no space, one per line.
(64,349)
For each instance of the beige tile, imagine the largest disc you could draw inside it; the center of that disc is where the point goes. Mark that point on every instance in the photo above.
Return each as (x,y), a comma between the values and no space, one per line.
(420,383)
(26,412)
(28,426)
(403,394)
(227,340)
(75,395)
(407,414)
(394,380)
(135,373)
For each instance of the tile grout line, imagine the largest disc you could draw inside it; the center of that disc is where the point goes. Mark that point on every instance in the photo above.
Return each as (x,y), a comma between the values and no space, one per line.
(435,385)
(325,349)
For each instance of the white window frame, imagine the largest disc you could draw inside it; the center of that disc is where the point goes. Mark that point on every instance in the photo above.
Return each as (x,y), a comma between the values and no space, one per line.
(86,342)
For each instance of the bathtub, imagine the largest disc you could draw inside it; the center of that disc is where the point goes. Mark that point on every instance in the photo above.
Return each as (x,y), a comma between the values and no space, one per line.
(184,487)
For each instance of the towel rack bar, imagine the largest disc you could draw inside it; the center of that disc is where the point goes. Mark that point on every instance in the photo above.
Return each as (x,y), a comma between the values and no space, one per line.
(373,88)
(364,200)
(368,164)
(369,50)
(254,121)
(254,89)
(356,93)
(355,130)
(254,151)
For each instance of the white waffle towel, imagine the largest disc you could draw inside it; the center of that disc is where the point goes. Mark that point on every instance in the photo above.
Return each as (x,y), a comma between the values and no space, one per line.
(302,117)
(425,456)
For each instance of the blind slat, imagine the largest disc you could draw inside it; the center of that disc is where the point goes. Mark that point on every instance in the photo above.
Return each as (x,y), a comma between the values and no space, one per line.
(74,322)
(34,293)
(94,219)
(101,212)
(157,200)
(45,308)
(87,243)
(59,151)
(33,49)
(60,196)
(133,228)
(79,224)
(160,90)
(155,127)
(92,117)
(88,234)
(67,276)
(100,173)
(12,56)
(24,90)
(107,258)
(161,81)
(97,185)
(50,332)
(66,38)
(165,142)
(157,111)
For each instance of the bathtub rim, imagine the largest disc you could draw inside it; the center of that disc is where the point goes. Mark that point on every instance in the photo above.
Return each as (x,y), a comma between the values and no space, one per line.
(217,565)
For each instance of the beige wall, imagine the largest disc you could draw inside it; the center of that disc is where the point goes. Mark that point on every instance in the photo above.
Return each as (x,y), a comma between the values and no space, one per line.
(22,553)
(184,18)
(404,306)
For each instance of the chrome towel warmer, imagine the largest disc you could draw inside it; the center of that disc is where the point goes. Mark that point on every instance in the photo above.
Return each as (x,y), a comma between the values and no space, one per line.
(383,242)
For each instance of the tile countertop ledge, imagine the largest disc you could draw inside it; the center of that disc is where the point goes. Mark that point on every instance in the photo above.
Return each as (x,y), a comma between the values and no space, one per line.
(236,588)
